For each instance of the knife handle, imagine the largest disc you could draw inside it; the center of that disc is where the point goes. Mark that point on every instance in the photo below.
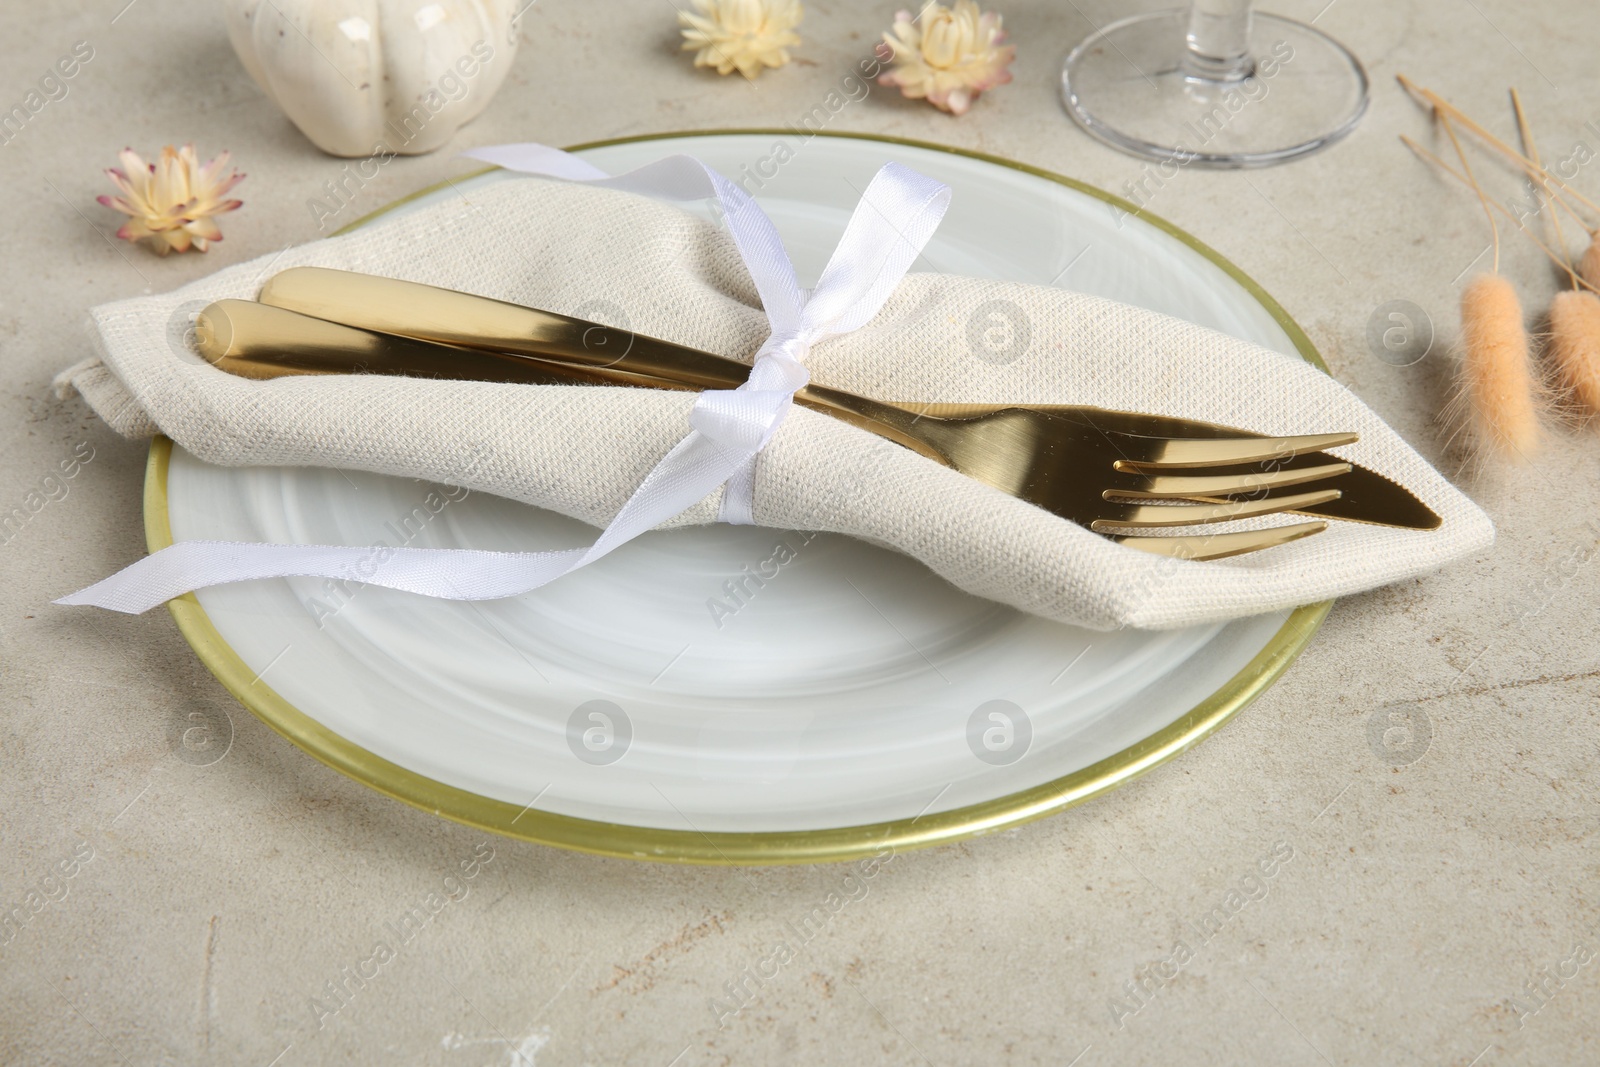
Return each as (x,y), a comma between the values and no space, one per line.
(256,341)
(428,313)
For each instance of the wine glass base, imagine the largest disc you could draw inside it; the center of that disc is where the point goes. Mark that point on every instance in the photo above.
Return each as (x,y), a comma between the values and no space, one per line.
(1127,86)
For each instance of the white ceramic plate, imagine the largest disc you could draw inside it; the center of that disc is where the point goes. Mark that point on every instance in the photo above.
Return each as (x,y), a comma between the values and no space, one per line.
(853,698)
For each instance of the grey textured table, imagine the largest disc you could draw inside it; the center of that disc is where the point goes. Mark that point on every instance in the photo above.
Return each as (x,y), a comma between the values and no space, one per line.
(1423,889)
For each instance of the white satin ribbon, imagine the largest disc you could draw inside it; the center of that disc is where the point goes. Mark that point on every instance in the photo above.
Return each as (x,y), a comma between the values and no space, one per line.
(891,224)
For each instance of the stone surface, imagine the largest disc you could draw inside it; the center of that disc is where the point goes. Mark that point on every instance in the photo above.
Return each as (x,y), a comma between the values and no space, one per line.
(1417,898)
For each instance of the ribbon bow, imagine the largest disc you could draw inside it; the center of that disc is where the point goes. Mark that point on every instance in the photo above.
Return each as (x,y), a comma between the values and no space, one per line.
(729,427)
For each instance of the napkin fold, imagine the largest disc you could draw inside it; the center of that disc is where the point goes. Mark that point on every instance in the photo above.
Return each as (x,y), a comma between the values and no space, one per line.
(636,263)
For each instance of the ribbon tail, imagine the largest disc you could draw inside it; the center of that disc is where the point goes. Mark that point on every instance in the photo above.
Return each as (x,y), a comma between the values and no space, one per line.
(456,574)
(694,468)
(540,159)
(891,224)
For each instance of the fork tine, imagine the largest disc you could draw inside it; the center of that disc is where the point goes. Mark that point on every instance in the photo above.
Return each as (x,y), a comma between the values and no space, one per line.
(1180,452)
(1219,546)
(1156,486)
(1137,516)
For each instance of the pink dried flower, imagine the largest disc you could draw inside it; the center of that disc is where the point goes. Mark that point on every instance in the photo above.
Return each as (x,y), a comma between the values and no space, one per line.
(948,55)
(172,203)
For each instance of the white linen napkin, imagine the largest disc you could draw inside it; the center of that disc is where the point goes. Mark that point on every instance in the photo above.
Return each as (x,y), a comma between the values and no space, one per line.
(630,261)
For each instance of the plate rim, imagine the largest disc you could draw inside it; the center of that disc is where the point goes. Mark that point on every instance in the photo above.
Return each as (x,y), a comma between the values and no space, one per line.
(745,848)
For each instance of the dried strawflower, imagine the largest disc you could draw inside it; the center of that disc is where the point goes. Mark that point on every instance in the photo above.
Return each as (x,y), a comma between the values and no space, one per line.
(743,35)
(172,202)
(948,55)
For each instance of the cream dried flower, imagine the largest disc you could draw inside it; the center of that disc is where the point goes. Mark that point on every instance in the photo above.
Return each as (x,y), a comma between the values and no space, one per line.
(171,203)
(742,35)
(951,57)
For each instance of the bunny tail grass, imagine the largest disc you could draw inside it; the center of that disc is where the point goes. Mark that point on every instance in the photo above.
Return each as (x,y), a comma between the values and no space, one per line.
(1496,368)
(1589,263)
(1575,345)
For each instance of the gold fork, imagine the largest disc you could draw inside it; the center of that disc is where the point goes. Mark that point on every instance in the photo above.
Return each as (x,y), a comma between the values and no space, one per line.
(1096,479)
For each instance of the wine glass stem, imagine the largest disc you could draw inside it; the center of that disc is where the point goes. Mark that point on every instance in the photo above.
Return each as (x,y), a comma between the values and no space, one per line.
(1217,44)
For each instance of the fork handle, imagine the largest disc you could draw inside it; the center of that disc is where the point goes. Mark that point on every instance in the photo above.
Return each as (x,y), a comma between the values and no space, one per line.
(447,317)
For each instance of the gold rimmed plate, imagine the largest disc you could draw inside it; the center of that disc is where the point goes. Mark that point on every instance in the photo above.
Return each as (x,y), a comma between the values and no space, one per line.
(733,694)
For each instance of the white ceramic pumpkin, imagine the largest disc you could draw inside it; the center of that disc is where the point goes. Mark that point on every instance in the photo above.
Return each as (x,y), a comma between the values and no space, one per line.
(365,76)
